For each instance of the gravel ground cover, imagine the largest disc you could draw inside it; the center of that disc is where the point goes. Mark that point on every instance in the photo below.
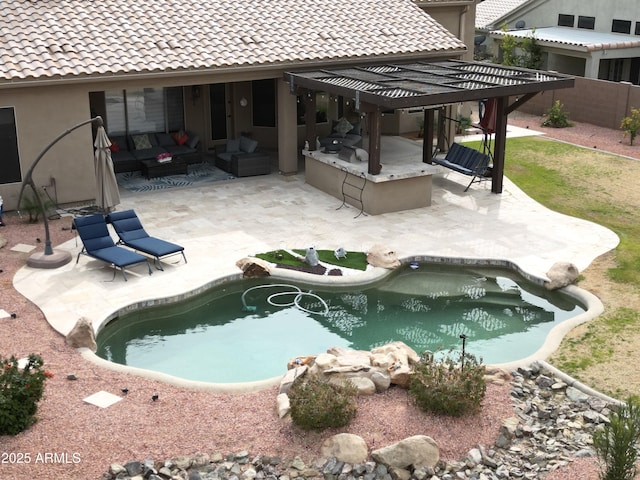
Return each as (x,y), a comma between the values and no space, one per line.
(87,439)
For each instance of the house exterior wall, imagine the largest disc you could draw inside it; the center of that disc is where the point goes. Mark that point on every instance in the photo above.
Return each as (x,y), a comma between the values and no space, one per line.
(572,60)
(544,13)
(42,114)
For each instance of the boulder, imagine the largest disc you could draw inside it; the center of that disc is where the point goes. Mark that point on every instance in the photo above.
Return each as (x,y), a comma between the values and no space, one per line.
(560,275)
(290,377)
(508,431)
(82,335)
(381,256)
(400,375)
(364,385)
(496,376)
(345,447)
(381,380)
(283,405)
(416,451)
(398,351)
(253,267)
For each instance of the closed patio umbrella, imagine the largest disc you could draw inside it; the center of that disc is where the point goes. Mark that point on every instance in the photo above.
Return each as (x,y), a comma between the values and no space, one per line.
(107,193)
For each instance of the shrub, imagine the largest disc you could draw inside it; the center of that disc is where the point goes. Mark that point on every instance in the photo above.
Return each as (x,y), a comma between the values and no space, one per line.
(556,116)
(20,392)
(317,404)
(462,124)
(615,444)
(449,387)
(631,124)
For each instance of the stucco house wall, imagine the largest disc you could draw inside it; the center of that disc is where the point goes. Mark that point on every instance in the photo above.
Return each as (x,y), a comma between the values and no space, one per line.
(593,53)
(50,93)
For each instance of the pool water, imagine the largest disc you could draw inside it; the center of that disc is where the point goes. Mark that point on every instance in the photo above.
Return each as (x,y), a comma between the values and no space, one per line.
(242,331)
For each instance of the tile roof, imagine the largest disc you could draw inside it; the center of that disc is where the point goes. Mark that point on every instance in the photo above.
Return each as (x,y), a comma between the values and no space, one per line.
(580,39)
(489,12)
(62,38)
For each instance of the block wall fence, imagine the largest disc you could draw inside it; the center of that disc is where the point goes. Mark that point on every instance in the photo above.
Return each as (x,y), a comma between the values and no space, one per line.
(599,102)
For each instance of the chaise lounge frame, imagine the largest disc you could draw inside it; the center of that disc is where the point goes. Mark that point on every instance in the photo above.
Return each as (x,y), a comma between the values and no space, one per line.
(133,235)
(98,244)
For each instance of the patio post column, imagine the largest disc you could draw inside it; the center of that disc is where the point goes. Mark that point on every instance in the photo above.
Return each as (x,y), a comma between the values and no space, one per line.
(374,122)
(499,145)
(288,148)
(427,136)
(309,99)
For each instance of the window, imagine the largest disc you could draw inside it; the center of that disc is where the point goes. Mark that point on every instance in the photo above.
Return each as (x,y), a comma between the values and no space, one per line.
(588,23)
(144,110)
(322,107)
(263,94)
(621,26)
(637,32)
(9,160)
(566,20)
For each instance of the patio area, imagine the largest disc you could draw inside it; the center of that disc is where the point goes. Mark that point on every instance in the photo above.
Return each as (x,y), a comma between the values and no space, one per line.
(223,222)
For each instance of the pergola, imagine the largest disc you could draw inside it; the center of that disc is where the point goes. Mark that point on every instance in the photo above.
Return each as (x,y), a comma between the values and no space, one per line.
(428,84)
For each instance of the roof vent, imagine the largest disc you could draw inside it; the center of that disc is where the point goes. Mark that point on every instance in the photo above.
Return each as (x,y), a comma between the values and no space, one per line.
(520,24)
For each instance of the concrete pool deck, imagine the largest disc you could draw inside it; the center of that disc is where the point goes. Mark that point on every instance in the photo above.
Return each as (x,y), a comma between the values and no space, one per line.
(222,222)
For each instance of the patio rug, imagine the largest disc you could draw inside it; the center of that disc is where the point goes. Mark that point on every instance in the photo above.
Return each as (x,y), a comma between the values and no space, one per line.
(199,174)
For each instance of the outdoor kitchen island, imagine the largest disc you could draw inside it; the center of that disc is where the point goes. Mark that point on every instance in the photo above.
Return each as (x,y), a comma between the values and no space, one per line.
(404,183)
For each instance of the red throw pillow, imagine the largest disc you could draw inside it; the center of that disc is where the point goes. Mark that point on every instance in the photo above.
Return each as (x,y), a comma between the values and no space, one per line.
(114,147)
(180,138)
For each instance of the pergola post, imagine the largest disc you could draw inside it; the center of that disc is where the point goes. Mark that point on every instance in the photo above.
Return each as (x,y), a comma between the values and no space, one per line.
(309,99)
(499,145)
(427,135)
(374,122)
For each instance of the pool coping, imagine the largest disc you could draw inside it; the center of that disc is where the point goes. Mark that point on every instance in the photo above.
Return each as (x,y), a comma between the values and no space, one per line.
(592,304)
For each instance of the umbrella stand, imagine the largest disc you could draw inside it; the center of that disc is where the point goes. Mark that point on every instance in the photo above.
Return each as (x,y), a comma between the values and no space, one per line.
(49,259)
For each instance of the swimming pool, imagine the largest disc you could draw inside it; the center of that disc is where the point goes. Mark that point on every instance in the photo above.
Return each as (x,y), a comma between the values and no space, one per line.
(243,331)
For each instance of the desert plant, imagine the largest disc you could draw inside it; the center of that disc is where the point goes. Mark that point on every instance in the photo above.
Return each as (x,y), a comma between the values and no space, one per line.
(631,124)
(520,52)
(31,205)
(462,123)
(452,386)
(317,404)
(556,116)
(20,392)
(616,443)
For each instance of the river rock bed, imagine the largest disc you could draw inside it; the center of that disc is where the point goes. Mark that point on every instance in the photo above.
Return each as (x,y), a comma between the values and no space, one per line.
(553,423)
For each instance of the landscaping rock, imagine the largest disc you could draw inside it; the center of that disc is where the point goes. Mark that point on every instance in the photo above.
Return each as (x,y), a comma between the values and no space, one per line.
(82,335)
(561,274)
(547,431)
(419,450)
(381,256)
(345,447)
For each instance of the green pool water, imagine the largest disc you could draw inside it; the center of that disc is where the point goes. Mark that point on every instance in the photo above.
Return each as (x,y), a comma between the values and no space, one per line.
(228,336)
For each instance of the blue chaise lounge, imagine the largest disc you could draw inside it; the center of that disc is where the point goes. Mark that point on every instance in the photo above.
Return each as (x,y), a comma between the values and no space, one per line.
(98,244)
(129,228)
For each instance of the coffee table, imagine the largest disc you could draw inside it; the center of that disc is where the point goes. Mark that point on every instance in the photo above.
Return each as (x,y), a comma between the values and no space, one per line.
(154,168)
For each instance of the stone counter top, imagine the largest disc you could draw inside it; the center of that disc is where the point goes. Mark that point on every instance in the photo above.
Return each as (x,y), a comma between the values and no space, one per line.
(391,170)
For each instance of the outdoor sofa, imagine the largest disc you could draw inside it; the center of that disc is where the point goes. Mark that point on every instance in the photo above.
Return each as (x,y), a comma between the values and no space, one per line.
(128,151)
(241,158)
(343,134)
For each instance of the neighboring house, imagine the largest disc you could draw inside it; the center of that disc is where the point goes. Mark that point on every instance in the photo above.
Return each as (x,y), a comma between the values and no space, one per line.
(588,38)
(213,68)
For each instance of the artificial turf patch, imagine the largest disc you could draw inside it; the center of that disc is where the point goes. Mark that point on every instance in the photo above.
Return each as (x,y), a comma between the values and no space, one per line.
(353,260)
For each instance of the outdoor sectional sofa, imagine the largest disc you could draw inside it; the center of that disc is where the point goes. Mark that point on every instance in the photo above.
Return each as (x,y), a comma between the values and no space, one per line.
(241,158)
(343,133)
(127,152)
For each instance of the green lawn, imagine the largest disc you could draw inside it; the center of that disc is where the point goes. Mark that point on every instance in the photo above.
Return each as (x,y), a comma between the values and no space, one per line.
(601,188)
